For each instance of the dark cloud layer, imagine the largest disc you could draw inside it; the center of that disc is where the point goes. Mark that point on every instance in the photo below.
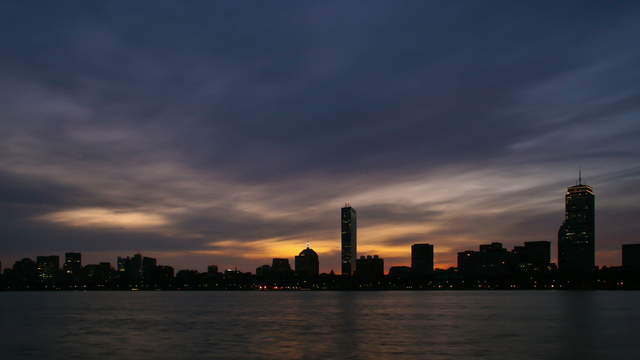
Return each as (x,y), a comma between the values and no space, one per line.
(199,131)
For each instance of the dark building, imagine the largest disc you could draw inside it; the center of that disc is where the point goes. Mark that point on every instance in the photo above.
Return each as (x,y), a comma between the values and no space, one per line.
(349,225)
(187,279)
(400,271)
(489,262)
(212,269)
(631,257)
(149,266)
(534,255)
(72,264)
(24,273)
(263,271)
(123,263)
(576,236)
(47,267)
(137,270)
(422,259)
(164,276)
(370,267)
(468,260)
(280,266)
(98,276)
(307,263)
(134,269)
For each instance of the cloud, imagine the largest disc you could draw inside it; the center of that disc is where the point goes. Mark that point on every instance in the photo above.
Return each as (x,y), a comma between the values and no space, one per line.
(231,133)
(109,218)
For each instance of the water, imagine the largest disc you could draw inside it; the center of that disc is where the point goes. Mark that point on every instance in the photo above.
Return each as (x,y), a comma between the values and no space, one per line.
(320,325)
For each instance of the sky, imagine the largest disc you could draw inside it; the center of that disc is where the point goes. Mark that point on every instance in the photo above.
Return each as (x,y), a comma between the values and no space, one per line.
(229,133)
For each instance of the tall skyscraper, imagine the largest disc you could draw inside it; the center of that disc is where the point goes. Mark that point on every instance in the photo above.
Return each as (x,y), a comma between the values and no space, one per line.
(422,259)
(576,237)
(349,239)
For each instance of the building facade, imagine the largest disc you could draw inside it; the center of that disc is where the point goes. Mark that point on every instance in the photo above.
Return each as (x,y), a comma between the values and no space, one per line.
(576,236)
(280,266)
(631,257)
(534,255)
(72,264)
(307,263)
(47,267)
(349,225)
(422,259)
(370,267)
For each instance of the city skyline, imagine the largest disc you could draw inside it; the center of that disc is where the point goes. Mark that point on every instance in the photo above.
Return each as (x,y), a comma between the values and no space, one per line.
(229,134)
(348,240)
(493,266)
(575,244)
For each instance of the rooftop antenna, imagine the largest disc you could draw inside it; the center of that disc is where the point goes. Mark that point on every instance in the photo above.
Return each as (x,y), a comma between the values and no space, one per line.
(307,243)
(579,176)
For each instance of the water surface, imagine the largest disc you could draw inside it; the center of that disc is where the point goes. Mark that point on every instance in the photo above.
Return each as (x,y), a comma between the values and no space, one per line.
(320,325)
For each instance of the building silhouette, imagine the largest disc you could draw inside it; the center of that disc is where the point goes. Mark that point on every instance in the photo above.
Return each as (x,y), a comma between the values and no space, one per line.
(631,257)
(400,271)
(212,269)
(149,266)
(370,267)
(576,236)
(24,273)
(263,271)
(349,225)
(134,270)
(122,263)
(489,262)
(72,264)
(307,263)
(47,267)
(534,255)
(422,259)
(280,266)
(98,275)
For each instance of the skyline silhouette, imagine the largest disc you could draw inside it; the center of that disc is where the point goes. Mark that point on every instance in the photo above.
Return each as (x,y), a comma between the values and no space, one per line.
(574,216)
(491,266)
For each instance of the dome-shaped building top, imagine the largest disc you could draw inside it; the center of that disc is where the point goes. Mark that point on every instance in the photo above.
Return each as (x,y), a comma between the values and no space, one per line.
(307,263)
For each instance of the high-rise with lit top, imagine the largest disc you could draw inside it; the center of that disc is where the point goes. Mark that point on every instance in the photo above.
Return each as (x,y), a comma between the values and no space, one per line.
(576,237)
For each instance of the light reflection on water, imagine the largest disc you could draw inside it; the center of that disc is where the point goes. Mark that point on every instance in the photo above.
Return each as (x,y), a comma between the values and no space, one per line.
(320,325)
